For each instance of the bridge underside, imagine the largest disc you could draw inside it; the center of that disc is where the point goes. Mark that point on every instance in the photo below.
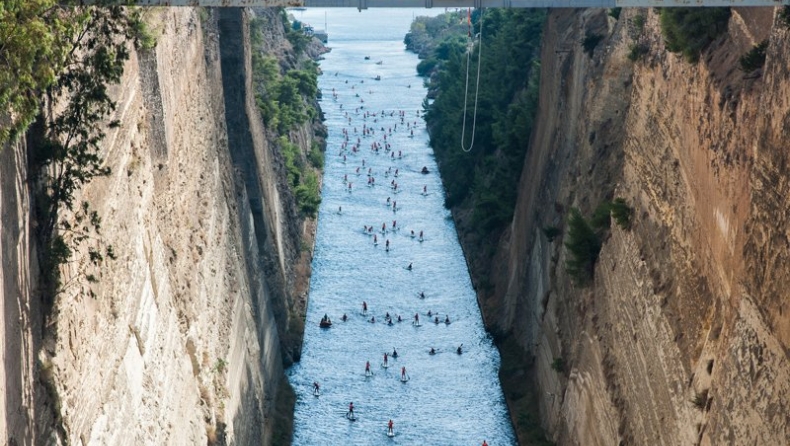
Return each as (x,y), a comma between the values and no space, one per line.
(365,4)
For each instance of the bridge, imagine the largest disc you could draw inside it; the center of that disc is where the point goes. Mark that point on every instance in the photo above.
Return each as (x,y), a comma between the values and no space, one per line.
(365,4)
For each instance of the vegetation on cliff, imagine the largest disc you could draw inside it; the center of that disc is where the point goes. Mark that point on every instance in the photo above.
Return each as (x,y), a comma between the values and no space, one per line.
(40,40)
(286,99)
(585,238)
(481,180)
(432,38)
(689,30)
(64,57)
(755,58)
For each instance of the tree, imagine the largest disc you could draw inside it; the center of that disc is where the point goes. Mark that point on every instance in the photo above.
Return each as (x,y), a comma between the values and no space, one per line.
(34,46)
(68,157)
(622,213)
(689,30)
(483,178)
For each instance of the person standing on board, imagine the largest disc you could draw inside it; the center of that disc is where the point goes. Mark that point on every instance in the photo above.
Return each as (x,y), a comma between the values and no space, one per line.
(390,431)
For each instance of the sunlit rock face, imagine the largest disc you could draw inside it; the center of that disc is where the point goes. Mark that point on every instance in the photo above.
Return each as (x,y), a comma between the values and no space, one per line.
(182,342)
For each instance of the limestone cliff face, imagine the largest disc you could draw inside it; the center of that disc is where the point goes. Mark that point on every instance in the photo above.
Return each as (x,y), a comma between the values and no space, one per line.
(689,304)
(182,344)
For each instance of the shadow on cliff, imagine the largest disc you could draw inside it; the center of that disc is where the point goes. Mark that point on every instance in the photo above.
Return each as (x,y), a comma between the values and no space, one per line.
(28,410)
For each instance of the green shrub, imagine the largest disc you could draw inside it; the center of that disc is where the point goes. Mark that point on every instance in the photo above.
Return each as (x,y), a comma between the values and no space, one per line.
(700,400)
(220,365)
(308,195)
(551,232)
(590,42)
(558,365)
(755,58)
(284,99)
(293,162)
(142,35)
(301,179)
(583,247)
(204,13)
(784,16)
(425,66)
(622,213)
(602,218)
(298,39)
(316,156)
(689,30)
(636,51)
(615,12)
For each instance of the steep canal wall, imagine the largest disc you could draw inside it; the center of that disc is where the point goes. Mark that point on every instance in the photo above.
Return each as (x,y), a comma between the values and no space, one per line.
(185,339)
(681,337)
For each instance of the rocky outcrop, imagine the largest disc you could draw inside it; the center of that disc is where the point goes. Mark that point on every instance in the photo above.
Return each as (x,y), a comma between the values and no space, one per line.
(683,337)
(182,343)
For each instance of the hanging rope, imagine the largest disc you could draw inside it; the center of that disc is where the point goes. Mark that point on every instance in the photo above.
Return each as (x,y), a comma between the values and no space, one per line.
(477,82)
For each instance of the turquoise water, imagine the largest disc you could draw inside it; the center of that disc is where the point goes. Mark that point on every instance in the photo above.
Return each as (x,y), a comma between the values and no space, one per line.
(448,399)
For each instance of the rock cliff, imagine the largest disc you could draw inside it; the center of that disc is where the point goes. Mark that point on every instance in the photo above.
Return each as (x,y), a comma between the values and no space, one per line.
(682,337)
(186,338)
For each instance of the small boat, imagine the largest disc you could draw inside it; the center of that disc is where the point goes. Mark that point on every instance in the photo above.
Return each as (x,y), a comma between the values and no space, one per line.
(367,57)
(325,323)
(377,78)
(379,62)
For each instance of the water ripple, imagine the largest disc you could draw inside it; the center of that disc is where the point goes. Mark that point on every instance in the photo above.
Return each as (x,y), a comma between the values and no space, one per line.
(449,399)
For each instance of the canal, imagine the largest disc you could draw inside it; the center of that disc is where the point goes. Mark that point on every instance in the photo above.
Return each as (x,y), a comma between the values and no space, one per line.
(447,398)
